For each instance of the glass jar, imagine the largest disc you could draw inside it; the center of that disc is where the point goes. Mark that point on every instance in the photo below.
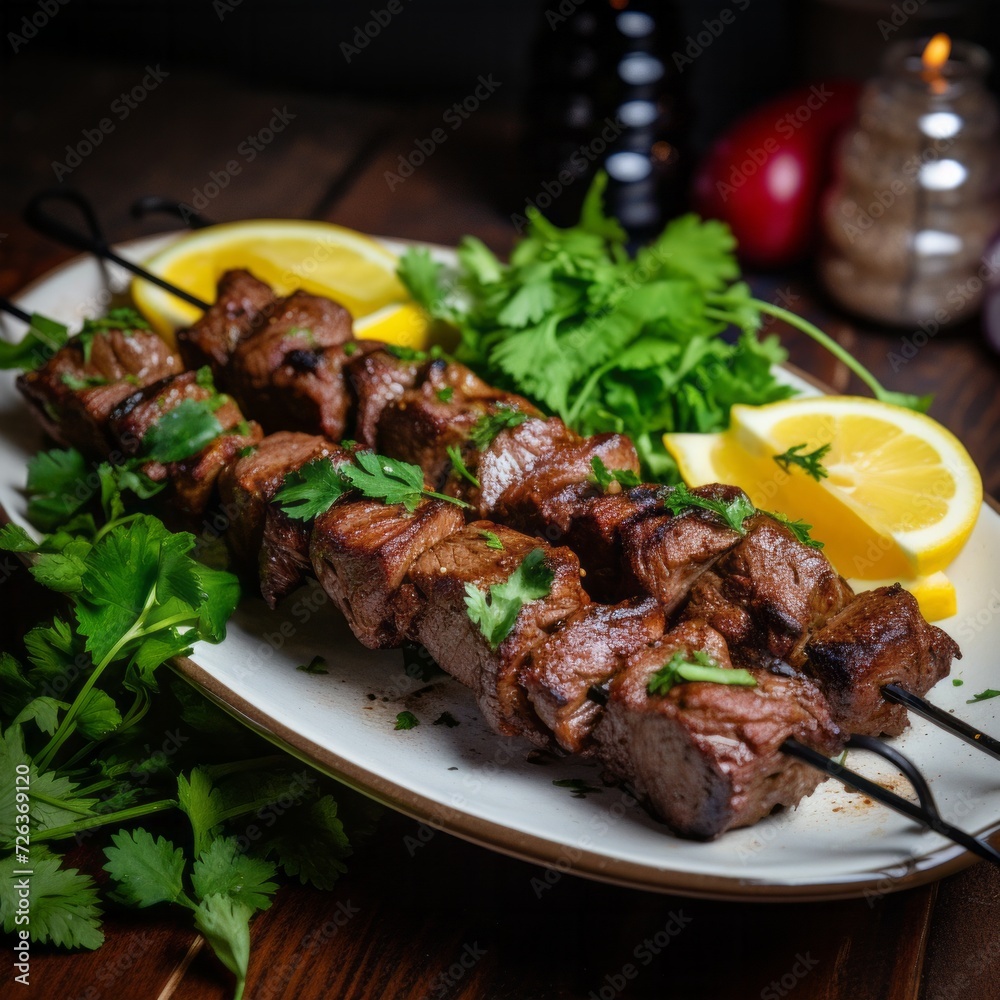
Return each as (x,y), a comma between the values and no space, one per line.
(916,199)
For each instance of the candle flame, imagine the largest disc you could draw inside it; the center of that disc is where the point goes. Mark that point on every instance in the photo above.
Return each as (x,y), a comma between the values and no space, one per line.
(934,56)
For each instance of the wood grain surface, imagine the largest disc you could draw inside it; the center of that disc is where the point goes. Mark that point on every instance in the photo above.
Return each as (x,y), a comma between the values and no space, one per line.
(447,919)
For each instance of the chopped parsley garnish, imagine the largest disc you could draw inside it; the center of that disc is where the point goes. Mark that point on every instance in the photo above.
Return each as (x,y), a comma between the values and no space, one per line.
(695,666)
(405,353)
(808,462)
(446,719)
(445,394)
(350,347)
(734,512)
(492,540)
(317,665)
(983,696)
(182,431)
(489,425)
(44,337)
(124,319)
(77,384)
(603,477)
(956,682)
(798,528)
(406,720)
(496,611)
(246,452)
(577,786)
(458,464)
(316,487)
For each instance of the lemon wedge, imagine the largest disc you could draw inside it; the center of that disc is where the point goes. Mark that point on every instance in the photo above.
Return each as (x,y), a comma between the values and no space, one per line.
(288,254)
(935,593)
(901,496)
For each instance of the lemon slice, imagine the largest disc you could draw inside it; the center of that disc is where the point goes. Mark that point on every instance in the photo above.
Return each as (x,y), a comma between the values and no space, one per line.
(288,254)
(901,498)
(935,594)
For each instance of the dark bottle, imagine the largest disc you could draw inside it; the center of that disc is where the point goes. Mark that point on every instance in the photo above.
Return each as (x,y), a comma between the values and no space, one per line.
(604,94)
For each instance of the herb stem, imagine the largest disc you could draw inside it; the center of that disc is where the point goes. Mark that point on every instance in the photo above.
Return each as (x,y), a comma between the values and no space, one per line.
(102,819)
(68,804)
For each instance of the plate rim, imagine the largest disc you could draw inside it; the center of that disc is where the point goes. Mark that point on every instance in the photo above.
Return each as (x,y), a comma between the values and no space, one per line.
(923,869)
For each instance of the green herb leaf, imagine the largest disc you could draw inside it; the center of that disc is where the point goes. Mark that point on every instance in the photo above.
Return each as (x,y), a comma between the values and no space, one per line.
(798,528)
(406,720)
(182,432)
(733,512)
(64,902)
(58,487)
(224,870)
(313,490)
(445,394)
(983,696)
(496,612)
(309,843)
(695,666)
(492,540)
(459,466)
(579,788)
(317,665)
(489,425)
(391,481)
(226,926)
(808,462)
(146,870)
(44,337)
(603,477)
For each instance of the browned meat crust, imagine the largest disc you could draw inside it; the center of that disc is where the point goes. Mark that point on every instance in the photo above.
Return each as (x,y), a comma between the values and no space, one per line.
(375,380)
(585,653)
(120,362)
(241,303)
(879,638)
(706,757)
(361,551)
(457,643)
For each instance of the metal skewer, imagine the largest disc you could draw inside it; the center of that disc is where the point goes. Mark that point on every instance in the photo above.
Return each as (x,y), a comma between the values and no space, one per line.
(93,242)
(8,307)
(926,813)
(97,244)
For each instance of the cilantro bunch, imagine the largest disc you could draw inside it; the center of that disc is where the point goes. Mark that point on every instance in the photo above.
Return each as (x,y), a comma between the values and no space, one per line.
(612,342)
(84,713)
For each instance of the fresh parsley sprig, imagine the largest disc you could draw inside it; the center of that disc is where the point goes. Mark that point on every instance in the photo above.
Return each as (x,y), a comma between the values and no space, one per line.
(495,611)
(695,666)
(489,425)
(798,528)
(604,477)
(680,500)
(809,462)
(459,466)
(318,485)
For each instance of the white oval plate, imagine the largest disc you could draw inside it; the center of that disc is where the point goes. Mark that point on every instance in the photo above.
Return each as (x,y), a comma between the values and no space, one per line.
(479,786)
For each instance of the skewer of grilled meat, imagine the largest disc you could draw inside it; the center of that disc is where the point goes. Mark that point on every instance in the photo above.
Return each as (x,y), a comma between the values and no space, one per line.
(769,593)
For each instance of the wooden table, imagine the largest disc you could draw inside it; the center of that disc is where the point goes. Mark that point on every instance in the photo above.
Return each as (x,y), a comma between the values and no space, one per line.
(450,919)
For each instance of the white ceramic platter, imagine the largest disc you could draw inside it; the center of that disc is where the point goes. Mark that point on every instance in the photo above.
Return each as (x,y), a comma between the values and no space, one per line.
(484,788)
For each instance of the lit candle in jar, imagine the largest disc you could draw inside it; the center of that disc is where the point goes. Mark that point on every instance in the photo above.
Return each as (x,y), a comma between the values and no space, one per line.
(917,195)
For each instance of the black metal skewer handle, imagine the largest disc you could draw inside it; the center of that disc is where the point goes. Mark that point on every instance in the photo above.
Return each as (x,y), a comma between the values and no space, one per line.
(8,307)
(152,204)
(93,240)
(925,813)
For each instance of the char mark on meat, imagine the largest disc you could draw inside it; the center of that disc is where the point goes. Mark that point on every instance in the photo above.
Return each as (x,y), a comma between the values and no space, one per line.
(72,395)
(879,638)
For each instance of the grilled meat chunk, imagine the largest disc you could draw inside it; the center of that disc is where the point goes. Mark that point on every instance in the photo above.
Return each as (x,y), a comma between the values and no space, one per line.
(73,393)
(192,479)
(585,653)
(375,380)
(288,373)
(767,594)
(664,554)
(444,627)
(879,638)
(421,423)
(241,303)
(706,757)
(361,551)
(248,485)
